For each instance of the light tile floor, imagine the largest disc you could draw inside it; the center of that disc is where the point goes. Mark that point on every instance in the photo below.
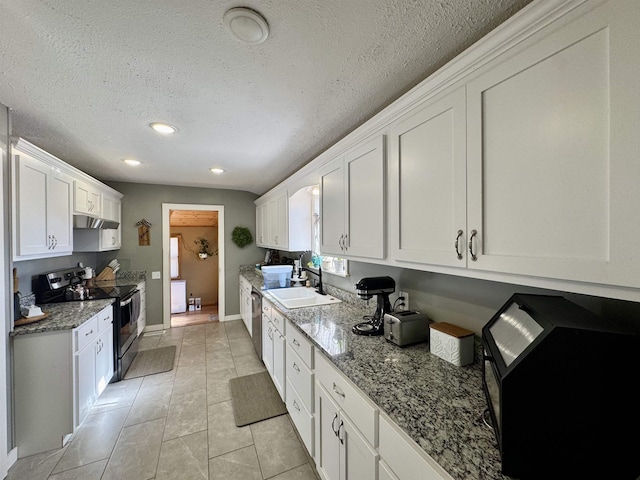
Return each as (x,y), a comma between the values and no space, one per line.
(178,424)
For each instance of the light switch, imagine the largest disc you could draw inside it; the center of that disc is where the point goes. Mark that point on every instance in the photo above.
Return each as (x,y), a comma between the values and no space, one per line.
(155,275)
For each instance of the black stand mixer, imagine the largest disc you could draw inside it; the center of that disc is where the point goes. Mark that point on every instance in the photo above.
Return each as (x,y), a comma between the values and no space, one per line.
(367,288)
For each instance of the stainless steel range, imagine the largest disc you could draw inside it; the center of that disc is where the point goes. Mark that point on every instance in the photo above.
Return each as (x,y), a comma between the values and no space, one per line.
(69,285)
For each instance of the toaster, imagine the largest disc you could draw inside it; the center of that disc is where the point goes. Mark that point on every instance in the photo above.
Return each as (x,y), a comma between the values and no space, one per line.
(406,327)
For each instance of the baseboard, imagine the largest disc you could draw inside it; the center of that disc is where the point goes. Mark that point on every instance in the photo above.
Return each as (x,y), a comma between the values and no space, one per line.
(228,318)
(12,457)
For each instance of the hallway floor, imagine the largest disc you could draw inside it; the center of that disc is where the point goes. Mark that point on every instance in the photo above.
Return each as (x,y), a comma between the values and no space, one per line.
(178,424)
(208,313)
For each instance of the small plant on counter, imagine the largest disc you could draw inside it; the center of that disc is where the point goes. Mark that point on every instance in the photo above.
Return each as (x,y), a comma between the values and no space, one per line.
(203,246)
(241,236)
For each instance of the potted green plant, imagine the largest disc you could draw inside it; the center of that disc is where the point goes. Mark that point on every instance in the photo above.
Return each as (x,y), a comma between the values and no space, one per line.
(203,247)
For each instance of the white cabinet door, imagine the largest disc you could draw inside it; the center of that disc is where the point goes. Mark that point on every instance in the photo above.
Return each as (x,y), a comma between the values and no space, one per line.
(142,318)
(332,207)
(87,199)
(352,202)
(262,225)
(267,344)
(365,200)
(278,220)
(327,443)
(279,346)
(358,459)
(552,184)
(32,192)
(104,355)
(42,209)
(85,381)
(428,183)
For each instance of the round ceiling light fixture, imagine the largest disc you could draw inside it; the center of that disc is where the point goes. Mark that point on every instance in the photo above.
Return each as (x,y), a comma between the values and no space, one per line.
(131,162)
(163,128)
(216,170)
(246,25)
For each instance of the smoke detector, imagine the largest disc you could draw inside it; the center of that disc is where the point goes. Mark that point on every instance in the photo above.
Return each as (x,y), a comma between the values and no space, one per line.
(246,25)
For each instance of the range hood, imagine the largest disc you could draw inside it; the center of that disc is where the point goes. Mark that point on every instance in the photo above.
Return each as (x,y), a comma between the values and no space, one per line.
(85,221)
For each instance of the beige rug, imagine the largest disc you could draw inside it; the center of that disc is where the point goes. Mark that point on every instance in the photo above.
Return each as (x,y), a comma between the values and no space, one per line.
(255,398)
(149,362)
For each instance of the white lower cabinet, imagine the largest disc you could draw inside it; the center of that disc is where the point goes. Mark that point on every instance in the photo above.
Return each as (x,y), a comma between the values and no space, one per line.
(346,427)
(142,318)
(273,346)
(402,459)
(343,453)
(57,378)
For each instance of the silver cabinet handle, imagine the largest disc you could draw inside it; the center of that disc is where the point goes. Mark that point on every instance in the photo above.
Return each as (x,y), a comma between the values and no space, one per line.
(296,367)
(337,390)
(474,257)
(91,331)
(457,244)
(296,343)
(344,242)
(338,434)
(333,425)
(295,405)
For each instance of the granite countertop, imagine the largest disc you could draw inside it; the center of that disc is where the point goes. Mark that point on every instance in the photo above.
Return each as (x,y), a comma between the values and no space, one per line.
(438,404)
(63,316)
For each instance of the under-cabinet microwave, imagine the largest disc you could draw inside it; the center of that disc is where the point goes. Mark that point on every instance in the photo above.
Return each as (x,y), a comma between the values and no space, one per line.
(560,387)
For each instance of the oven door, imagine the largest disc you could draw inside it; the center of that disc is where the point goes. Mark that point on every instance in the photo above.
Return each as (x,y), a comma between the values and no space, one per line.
(127,332)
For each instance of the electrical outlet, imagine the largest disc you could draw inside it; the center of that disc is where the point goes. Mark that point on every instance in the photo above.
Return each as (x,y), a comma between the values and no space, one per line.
(155,275)
(400,307)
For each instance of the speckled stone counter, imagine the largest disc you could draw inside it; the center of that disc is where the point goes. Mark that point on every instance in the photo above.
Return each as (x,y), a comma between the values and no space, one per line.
(130,277)
(436,403)
(63,316)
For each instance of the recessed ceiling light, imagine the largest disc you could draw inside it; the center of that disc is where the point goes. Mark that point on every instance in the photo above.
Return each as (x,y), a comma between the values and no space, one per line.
(246,25)
(132,162)
(216,170)
(163,127)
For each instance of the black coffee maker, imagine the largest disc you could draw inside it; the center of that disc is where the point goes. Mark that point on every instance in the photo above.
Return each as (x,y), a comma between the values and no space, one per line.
(367,288)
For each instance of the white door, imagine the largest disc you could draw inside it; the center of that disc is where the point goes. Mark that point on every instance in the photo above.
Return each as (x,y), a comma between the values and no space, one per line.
(332,208)
(365,199)
(60,222)
(428,183)
(328,449)
(552,184)
(358,459)
(279,362)
(32,191)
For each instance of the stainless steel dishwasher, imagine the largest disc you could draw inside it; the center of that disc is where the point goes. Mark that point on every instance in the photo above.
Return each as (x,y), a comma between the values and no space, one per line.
(256,321)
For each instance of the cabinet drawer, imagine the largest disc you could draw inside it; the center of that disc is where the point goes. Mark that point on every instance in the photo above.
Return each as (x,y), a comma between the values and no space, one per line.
(105,319)
(86,333)
(404,457)
(301,417)
(278,320)
(245,284)
(358,408)
(300,377)
(300,344)
(266,308)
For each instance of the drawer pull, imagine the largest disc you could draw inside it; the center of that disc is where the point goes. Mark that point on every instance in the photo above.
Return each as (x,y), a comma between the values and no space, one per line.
(337,390)
(296,367)
(88,333)
(338,434)
(296,343)
(333,425)
(295,405)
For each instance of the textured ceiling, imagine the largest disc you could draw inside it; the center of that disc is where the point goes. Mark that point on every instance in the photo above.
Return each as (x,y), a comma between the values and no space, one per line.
(84,78)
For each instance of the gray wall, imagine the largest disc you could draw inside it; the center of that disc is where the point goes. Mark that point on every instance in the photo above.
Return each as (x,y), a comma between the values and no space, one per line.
(467,302)
(145,201)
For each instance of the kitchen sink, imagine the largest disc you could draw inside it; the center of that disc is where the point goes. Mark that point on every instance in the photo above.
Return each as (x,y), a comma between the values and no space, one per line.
(298,297)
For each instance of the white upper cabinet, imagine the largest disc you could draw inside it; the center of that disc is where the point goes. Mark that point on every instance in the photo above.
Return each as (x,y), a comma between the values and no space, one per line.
(87,199)
(284,222)
(427,178)
(42,193)
(541,181)
(552,164)
(352,202)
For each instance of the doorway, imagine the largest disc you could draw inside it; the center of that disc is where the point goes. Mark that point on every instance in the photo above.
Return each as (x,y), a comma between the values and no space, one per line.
(193,264)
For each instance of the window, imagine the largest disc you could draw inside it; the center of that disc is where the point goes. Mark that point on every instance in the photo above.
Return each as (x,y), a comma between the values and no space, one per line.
(174,249)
